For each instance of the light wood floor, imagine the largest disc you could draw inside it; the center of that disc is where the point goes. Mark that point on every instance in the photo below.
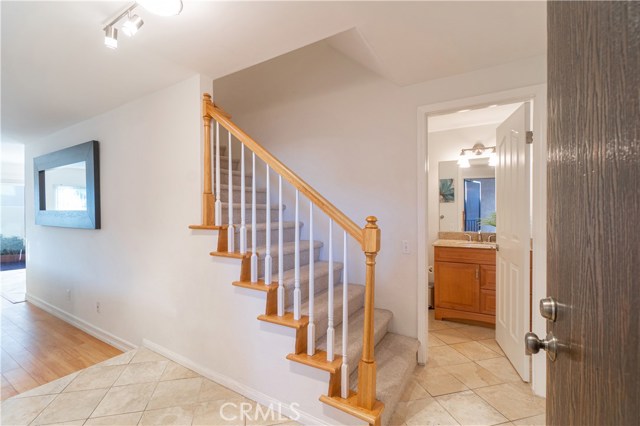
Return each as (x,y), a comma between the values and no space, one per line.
(37,348)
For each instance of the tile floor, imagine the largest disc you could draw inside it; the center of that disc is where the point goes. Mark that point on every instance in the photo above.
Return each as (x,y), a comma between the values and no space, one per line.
(138,387)
(467,381)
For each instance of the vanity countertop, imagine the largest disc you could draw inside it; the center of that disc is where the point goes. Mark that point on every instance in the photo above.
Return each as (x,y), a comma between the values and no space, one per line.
(465,244)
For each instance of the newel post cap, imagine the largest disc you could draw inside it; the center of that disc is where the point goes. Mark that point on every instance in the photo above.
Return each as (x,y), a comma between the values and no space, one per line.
(371,236)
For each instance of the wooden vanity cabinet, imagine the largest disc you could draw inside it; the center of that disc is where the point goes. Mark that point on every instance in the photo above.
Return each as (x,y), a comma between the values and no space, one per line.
(465,284)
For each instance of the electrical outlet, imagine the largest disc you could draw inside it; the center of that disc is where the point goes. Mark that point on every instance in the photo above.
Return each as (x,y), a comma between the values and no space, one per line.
(69,294)
(405,247)
(98,307)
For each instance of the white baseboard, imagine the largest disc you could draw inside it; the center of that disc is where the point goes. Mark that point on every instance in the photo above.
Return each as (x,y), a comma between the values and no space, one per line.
(83,325)
(228,382)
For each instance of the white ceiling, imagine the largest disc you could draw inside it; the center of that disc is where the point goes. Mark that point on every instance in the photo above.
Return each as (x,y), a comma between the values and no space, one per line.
(56,70)
(494,114)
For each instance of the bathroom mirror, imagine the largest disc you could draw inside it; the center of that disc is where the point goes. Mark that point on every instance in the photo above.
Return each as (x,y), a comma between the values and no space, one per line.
(467,195)
(67,187)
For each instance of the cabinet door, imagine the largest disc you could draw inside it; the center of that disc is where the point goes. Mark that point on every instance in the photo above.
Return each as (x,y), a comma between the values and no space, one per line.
(488,277)
(457,286)
(487,302)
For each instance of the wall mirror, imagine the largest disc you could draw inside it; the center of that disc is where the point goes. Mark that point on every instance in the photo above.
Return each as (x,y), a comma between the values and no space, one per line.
(467,195)
(67,187)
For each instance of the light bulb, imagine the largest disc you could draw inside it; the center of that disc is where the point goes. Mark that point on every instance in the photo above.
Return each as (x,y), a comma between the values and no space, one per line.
(132,25)
(463,161)
(111,37)
(493,158)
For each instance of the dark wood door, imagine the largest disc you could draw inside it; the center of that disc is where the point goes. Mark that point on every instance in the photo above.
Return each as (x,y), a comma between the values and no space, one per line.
(594,205)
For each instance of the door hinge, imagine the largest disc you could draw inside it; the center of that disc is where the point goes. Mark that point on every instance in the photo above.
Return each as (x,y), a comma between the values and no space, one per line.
(529,137)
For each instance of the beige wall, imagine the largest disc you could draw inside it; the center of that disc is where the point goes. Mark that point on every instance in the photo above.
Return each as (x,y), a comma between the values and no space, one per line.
(353,136)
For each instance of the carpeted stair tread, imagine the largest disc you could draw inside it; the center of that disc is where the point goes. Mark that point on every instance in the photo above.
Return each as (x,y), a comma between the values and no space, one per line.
(288,248)
(321,307)
(382,318)
(396,362)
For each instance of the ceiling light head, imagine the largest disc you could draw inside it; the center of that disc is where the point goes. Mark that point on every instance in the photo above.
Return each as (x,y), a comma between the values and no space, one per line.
(463,160)
(162,7)
(132,25)
(111,37)
(478,148)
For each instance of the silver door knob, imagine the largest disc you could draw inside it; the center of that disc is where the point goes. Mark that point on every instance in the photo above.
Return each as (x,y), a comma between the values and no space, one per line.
(533,344)
(549,308)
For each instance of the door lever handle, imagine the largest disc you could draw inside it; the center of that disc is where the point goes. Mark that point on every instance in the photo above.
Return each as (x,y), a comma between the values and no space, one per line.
(533,344)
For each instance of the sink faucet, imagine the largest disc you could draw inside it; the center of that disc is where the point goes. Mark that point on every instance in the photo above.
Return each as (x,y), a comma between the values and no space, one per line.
(479,233)
(469,237)
(490,237)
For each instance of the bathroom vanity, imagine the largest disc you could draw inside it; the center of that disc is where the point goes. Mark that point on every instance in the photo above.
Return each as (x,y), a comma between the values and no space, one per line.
(465,280)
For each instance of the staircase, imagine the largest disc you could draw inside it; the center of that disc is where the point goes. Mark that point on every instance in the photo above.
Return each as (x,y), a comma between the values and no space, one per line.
(338,329)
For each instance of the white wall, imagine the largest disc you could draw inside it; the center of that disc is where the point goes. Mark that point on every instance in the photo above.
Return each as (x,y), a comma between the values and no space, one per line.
(12,187)
(352,135)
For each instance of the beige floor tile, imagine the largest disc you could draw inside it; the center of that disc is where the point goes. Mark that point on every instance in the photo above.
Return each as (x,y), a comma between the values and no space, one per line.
(434,341)
(492,344)
(218,413)
(175,371)
(513,400)
(472,375)
(182,415)
(142,372)
(502,368)
(445,355)
(51,388)
(211,391)
(121,359)
(423,412)
(71,406)
(125,399)
(175,392)
(539,420)
(438,381)
(469,409)
(129,419)
(98,377)
(22,411)
(475,351)
(146,355)
(261,415)
(475,332)
(413,391)
(451,336)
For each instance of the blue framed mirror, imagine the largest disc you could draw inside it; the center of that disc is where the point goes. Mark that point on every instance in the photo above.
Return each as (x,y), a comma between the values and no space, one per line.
(67,187)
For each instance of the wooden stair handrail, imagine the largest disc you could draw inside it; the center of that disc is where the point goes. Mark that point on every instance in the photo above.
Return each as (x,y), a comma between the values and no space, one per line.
(314,196)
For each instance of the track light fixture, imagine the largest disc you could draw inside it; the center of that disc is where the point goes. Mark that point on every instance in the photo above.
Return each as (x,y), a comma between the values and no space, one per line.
(479,150)
(134,22)
(132,25)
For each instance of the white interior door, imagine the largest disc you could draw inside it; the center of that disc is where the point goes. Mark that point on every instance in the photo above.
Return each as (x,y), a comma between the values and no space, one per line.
(513,237)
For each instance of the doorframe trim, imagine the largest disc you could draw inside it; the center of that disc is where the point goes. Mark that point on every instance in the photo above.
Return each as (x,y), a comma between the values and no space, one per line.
(537,94)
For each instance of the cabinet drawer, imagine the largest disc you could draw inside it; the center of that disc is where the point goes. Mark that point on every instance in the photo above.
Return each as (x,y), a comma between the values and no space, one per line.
(487,277)
(465,255)
(488,302)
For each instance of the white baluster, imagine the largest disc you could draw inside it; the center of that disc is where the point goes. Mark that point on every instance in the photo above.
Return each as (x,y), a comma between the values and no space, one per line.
(330,330)
(311,328)
(297,296)
(243,205)
(267,255)
(254,246)
(280,249)
(218,204)
(345,322)
(230,230)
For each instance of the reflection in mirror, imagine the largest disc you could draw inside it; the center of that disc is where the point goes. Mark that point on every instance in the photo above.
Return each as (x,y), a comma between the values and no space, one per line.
(66,187)
(467,196)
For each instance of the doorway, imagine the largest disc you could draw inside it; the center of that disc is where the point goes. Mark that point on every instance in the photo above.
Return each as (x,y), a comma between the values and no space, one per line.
(427,179)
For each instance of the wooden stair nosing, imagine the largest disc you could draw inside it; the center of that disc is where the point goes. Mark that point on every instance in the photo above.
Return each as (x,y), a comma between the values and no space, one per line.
(258,286)
(318,360)
(232,255)
(350,406)
(208,227)
(286,320)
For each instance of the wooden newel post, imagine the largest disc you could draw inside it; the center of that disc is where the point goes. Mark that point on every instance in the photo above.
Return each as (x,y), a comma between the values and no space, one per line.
(367,365)
(207,195)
